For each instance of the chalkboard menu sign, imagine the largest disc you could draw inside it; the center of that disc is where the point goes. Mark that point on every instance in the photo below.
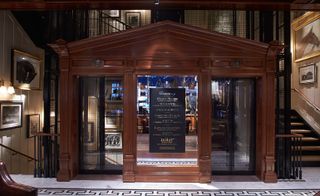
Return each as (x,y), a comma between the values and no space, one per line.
(167,120)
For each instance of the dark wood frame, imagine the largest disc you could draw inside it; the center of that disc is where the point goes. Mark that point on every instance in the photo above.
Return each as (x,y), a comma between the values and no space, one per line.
(168,48)
(13,103)
(31,133)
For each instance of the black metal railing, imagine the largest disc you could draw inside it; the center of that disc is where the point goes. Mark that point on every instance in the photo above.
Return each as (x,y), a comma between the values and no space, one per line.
(15,152)
(47,166)
(289,160)
(102,23)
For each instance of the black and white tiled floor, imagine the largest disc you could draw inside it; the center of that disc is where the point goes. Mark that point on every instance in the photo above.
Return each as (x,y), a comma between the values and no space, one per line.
(220,186)
(45,192)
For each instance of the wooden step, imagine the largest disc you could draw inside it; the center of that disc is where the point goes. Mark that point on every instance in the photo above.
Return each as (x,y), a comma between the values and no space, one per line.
(297,124)
(310,148)
(310,158)
(309,139)
(300,131)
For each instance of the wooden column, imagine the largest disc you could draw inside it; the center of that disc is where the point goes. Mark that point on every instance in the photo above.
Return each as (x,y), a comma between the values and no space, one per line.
(269,159)
(269,98)
(64,173)
(129,133)
(204,128)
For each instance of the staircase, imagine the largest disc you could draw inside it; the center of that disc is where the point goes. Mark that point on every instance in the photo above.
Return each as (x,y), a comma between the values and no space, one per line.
(310,144)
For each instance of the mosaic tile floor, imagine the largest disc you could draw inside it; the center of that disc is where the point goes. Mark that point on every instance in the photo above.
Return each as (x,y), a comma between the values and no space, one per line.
(113,185)
(66,192)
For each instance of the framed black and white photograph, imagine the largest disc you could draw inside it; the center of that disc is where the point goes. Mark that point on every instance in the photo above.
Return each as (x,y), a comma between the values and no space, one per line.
(10,115)
(26,71)
(308,74)
(114,13)
(113,140)
(33,124)
(133,19)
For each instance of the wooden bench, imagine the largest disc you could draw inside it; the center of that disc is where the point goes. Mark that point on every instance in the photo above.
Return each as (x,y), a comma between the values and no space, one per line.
(10,187)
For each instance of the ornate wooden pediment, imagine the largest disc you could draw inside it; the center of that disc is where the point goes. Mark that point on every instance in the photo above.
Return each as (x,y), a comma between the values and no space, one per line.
(167,41)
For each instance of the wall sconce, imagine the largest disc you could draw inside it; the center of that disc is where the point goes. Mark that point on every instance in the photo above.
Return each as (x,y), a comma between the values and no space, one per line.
(6,87)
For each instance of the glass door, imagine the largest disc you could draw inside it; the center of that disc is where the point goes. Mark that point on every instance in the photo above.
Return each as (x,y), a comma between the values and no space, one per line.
(101,124)
(167,116)
(233,126)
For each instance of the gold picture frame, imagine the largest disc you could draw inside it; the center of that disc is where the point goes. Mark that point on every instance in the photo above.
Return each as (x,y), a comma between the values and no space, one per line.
(306,36)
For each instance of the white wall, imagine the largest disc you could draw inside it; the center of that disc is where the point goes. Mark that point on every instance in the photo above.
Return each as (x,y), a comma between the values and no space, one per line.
(12,36)
(306,97)
(306,100)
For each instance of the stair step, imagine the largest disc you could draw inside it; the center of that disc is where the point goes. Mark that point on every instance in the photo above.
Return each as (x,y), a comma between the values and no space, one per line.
(301,131)
(309,139)
(296,124)
(310,158)
(311,148)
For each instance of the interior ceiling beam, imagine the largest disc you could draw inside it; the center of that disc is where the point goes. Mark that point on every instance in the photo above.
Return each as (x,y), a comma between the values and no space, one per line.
(164,4)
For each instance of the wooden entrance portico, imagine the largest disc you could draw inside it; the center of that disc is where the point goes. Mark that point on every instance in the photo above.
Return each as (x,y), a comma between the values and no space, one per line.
(167,48)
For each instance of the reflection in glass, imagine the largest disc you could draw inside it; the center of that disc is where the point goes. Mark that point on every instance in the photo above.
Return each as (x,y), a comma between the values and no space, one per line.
(233,125)
(144,156)
(101,124)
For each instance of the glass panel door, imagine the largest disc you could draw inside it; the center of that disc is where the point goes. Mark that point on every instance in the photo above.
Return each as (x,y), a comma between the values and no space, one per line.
(167,115)
(101,124)
(233,125)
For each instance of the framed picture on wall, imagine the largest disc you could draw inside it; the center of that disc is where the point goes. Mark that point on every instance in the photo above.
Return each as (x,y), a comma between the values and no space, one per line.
(306,37)
(33,124)
(308,74)
(89,134)
(113,140)
(133,19)
(10,115)
(114,13)
(26,71)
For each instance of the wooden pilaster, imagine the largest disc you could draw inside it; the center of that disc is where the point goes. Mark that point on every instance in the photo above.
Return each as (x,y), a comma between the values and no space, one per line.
(130,135)
(204,128)
(64,173)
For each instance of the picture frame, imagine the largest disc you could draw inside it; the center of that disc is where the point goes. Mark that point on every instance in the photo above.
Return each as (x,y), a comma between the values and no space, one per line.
(133,19)
(10,115)
(113,140)
(308,74)
(25,71)
(89,134)
(33,124)
(306,37)
(114,13)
